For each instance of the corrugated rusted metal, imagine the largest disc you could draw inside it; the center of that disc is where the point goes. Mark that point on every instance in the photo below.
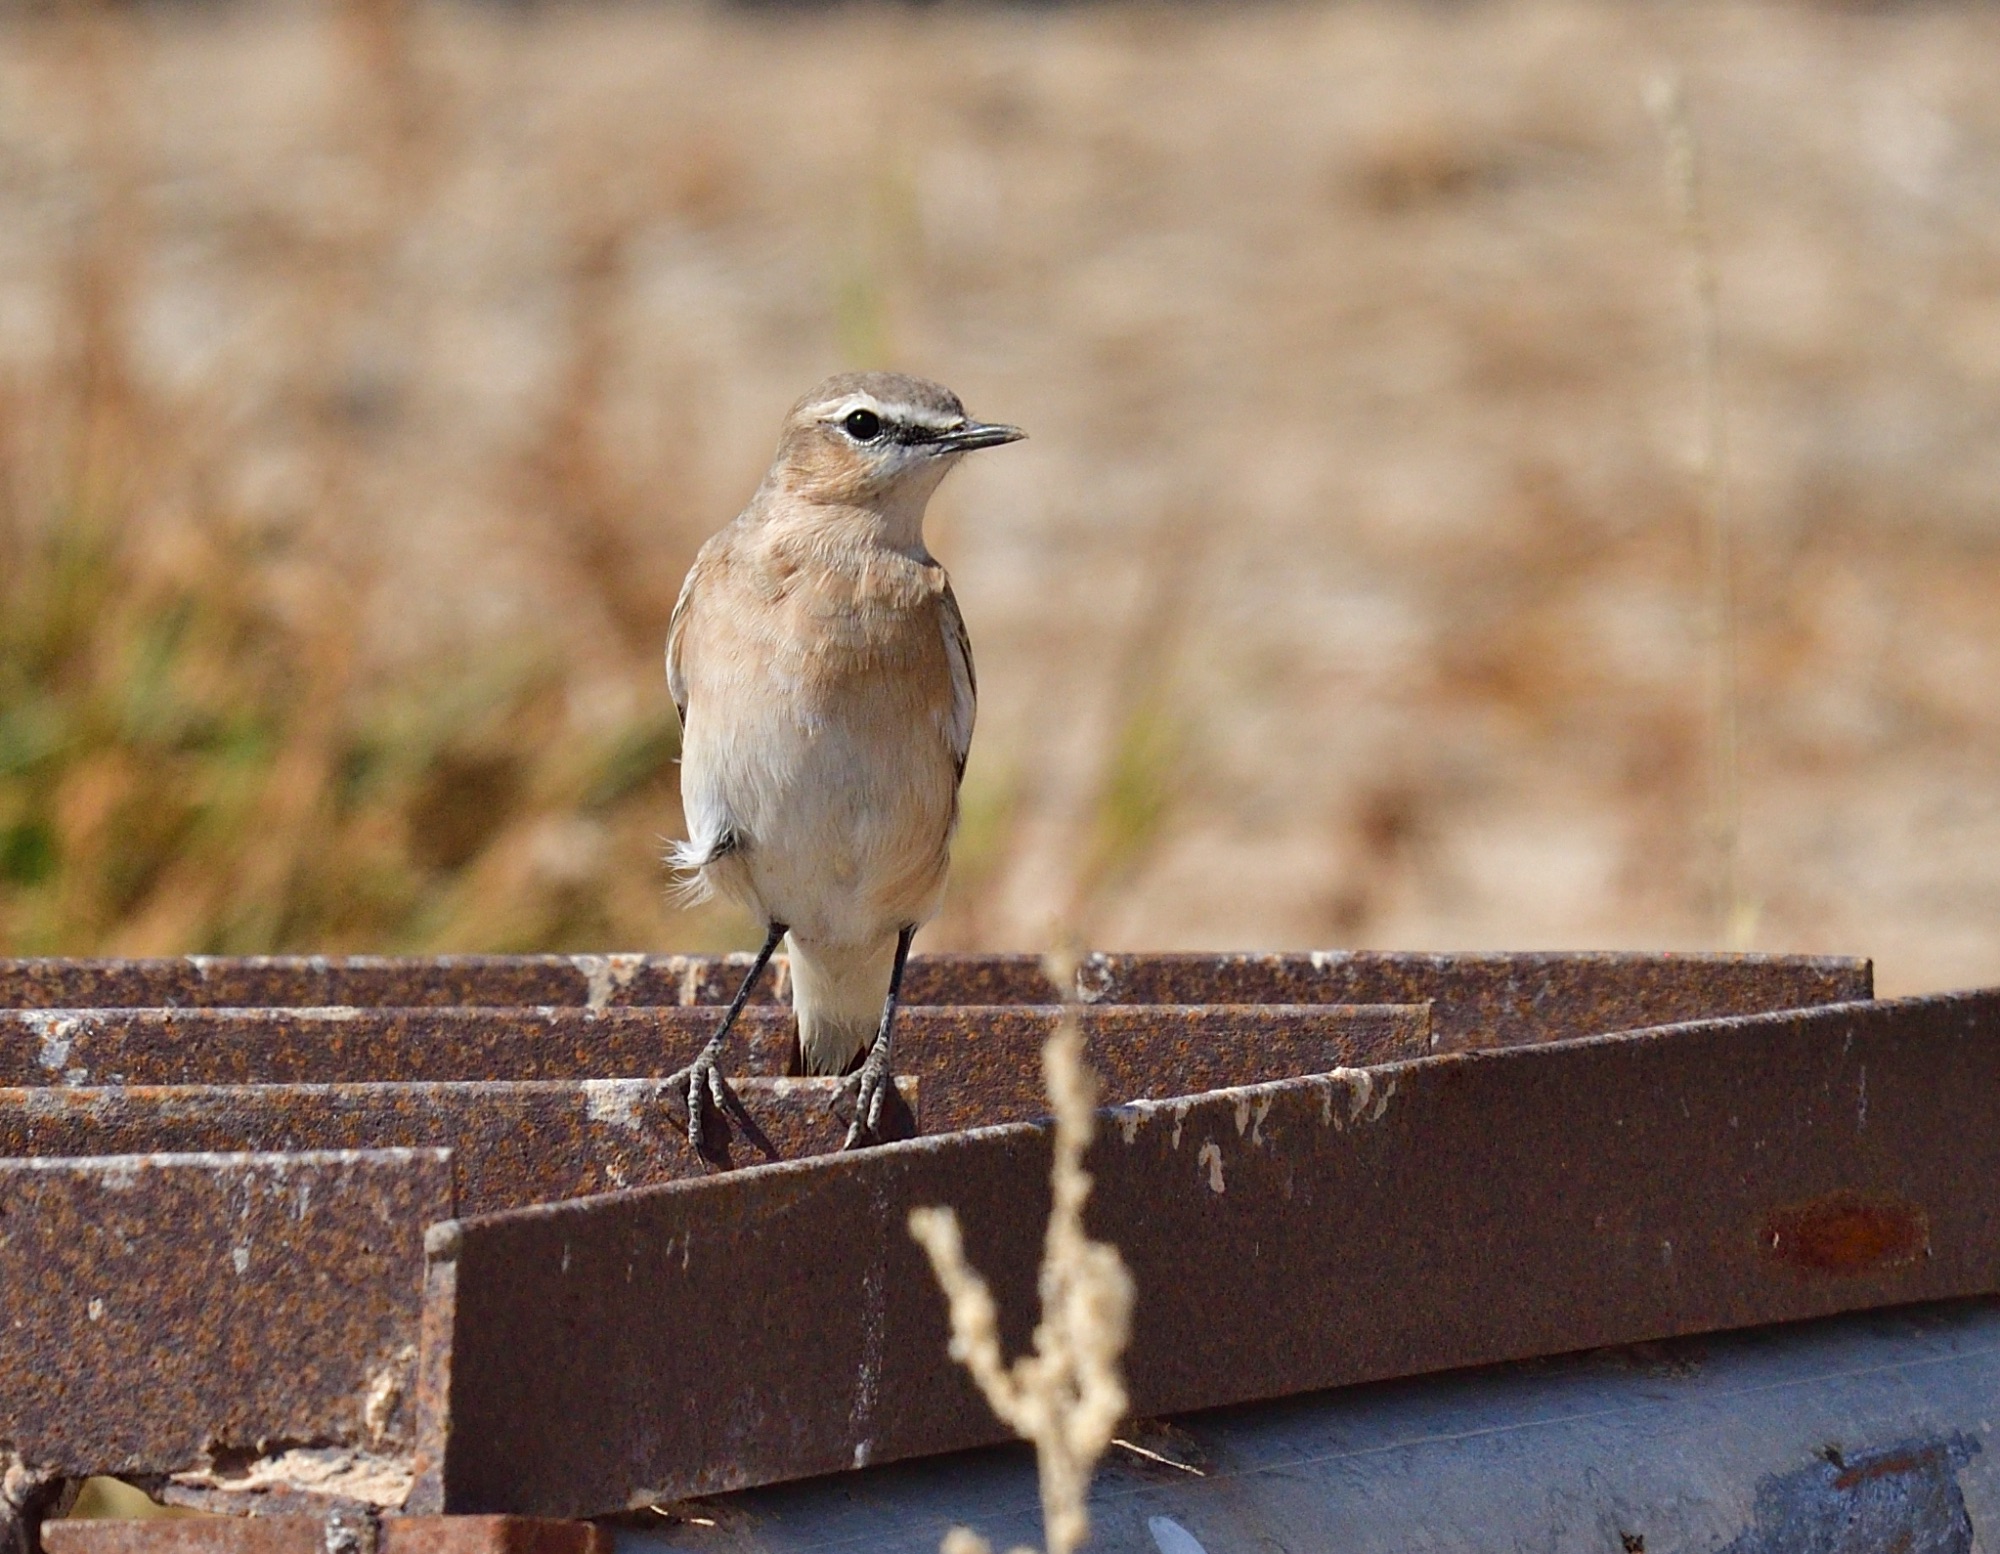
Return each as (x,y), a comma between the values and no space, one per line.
(1441,1212)
(1484,999)
(984,1065)
(511,1143)
(1458,1172)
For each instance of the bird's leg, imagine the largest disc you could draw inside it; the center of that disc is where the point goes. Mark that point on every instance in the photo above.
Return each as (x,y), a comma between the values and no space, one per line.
(704,1079)
(871,1083)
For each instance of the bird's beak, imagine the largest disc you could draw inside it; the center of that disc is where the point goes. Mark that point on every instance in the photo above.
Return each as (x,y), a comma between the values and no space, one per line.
(979,434)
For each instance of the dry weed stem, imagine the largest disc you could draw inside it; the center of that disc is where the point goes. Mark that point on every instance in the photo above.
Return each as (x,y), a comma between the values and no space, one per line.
(1735,916)
(1068,1395)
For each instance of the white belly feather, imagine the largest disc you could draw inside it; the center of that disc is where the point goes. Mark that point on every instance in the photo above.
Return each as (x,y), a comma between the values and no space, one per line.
(844,822)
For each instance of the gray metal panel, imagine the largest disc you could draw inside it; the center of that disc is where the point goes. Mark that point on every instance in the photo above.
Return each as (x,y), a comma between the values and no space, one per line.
(1851,1435)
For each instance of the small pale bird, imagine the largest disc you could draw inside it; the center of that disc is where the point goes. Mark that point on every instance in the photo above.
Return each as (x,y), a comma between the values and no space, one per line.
(826,693)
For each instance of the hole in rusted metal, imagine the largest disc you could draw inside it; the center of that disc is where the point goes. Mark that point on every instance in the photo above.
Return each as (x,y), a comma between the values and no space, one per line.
(1848,1233)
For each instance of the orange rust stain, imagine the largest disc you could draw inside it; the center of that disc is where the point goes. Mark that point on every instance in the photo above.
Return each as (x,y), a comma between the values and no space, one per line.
(1888,1467)
(1848,1233)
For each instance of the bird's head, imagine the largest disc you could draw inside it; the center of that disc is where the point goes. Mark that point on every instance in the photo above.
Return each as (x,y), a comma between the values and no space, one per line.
(878,440)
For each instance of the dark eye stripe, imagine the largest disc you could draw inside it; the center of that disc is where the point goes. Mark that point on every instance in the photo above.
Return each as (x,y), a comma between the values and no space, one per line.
(879,429)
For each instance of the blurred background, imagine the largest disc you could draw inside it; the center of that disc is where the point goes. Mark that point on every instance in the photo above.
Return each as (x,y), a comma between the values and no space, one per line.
(1392,564)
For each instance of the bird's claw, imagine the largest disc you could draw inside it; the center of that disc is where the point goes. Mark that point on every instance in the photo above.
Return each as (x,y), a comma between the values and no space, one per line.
(866,1092)
(703,1080)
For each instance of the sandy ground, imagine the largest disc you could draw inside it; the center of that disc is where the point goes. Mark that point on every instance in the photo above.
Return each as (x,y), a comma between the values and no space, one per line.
(1351,588)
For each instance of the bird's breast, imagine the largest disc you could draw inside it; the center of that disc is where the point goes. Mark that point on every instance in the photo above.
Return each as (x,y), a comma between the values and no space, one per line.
(839,709)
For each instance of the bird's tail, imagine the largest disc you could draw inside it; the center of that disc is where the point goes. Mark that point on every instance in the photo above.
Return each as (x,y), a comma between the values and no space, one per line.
(691,885)
(838,991)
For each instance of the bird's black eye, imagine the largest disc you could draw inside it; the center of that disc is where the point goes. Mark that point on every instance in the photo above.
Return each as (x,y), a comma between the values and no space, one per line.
(863,425)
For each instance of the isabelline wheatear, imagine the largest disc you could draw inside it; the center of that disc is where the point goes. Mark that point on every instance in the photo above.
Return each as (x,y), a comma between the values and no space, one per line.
(826,694)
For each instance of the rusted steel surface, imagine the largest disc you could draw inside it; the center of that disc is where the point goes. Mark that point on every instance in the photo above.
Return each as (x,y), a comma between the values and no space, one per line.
(287,981)
(490,1535)
(1393,1210)
(985,1064)
(188,1535)
(511,1143)
(1441,1212)
(1496,1000)
(161,1310)
(1484,999)
(307,1534)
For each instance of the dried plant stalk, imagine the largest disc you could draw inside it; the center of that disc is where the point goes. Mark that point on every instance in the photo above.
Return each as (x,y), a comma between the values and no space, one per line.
(1069,1394)
(1735,916)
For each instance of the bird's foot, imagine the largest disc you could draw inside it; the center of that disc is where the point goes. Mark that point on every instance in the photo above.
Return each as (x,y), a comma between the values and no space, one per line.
(871,1093)
(705,1084)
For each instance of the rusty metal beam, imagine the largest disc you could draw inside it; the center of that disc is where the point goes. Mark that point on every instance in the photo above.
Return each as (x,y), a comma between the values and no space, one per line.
(984,1064)
(1441,1212)
(511,1143)
(1492,1000)
(162,1311)
(1484,999)
(307,1534)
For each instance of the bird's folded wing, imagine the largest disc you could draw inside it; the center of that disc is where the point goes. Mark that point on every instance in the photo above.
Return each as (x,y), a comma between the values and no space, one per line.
(964,681)
(677,686)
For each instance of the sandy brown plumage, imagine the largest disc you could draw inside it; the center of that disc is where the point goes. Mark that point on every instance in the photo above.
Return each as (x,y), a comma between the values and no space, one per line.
(827,695)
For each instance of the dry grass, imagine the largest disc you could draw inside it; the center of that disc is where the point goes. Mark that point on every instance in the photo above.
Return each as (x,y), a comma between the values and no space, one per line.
(198,748)
(369,371)
(191,757)
(1067,1397)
